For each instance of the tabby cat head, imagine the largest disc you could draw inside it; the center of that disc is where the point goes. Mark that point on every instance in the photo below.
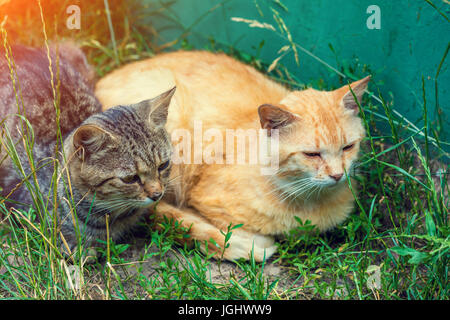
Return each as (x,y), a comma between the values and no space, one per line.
(123,155)
(320,134)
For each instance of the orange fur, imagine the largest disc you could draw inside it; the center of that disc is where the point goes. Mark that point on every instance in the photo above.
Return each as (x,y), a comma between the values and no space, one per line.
(225,94)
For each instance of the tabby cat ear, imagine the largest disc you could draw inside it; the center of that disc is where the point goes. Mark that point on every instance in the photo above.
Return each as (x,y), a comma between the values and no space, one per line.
(156,109)
(358,88)
(273,117)
(91,139)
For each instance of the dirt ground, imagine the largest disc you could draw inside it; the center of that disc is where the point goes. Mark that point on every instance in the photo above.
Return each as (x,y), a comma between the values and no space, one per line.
(216,273)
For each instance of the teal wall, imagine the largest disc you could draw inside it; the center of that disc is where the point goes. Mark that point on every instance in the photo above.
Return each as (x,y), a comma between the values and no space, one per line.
(411,43)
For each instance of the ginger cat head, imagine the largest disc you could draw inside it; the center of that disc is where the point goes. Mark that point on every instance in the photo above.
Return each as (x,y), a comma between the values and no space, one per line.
(320,134)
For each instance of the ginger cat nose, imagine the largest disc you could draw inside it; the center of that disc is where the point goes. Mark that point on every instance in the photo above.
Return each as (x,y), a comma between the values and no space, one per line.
(336,177)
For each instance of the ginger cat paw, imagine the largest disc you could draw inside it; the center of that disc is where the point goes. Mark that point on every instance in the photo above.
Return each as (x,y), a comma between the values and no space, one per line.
(242,243)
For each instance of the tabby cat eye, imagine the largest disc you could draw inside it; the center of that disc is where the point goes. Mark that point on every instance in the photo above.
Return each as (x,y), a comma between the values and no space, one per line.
(131,179)
(163,166)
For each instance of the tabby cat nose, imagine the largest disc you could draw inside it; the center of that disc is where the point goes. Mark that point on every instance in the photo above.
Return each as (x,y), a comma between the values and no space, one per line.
(155,196)
(336,177)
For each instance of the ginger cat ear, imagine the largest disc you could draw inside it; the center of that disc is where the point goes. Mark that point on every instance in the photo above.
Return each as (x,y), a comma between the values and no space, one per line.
(358,88)
(156,109)
(91,139)
(273,117)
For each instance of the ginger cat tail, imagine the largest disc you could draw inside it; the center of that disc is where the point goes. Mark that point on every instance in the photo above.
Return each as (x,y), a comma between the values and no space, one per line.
(316,134)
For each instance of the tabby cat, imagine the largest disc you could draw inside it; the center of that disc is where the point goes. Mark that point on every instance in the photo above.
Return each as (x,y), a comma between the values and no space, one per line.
(121,167)
(114,163)
(319,136)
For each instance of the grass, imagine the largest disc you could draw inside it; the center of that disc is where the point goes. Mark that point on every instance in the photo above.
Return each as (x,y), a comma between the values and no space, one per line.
(395,245)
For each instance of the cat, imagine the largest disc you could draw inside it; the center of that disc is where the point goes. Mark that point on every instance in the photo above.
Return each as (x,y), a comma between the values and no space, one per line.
(76,78)
(319,135)
(113,163)
(28,91)
(121,168)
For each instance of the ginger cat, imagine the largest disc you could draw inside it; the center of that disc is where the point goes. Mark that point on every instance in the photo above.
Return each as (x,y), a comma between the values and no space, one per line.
(318,135)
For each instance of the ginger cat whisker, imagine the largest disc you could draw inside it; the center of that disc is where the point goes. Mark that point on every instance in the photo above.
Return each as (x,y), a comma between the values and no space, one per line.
(280,187)
(304,184)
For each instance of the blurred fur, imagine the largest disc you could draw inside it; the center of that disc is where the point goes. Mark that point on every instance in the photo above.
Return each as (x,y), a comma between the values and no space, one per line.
(33,84)
(320,135)
(32,96)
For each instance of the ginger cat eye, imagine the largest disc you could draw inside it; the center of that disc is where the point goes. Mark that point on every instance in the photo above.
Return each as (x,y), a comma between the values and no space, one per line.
(312,154)
(348,147)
